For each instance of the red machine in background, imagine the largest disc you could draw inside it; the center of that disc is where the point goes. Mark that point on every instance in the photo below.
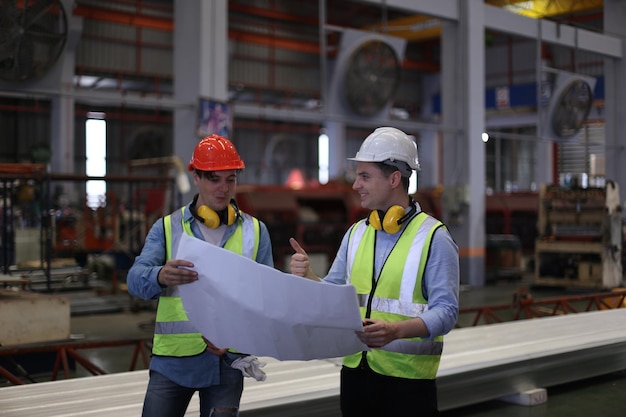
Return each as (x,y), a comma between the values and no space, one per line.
(513,214)
(316,216)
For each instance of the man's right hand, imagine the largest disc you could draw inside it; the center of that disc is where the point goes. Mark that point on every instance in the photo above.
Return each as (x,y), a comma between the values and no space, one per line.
(300,264)
(299,260)
(176,272)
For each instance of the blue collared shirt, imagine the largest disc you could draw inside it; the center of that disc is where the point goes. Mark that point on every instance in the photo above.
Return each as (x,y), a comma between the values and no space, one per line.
(194,371)
(440,282)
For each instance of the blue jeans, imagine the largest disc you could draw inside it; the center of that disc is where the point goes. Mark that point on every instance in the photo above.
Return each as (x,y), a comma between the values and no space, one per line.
(165,398)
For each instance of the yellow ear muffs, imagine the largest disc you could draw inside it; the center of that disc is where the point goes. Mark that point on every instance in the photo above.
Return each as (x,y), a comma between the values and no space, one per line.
(213,220)
(374,219)
(231,214)
(210,217)
(392,219)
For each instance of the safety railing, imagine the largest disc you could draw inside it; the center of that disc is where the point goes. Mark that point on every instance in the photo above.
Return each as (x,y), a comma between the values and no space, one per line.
(524,306)
(64,351)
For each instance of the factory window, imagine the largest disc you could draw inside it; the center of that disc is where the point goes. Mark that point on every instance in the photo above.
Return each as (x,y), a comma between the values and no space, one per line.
(95,146)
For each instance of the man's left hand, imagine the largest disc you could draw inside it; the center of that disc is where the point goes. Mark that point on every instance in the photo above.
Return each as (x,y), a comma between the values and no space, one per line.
(377,333)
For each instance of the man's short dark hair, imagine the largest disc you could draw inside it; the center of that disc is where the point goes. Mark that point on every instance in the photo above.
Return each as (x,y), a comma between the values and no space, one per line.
(390,169)
(209,175)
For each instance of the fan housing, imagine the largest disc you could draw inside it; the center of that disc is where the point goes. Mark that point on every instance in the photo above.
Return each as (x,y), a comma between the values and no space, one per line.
(569,107)
(371,77)
(365,75)
(32,37)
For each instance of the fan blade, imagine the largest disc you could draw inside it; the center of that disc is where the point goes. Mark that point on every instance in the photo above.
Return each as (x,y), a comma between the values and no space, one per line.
(37,11)
(9,29)
(32,39)
(25,62)
(8,14)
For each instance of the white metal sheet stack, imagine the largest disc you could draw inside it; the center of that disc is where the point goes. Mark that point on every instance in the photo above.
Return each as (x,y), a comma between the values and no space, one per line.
(479,364)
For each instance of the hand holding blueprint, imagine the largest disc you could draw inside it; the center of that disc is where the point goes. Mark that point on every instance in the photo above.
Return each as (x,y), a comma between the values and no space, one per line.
(240,304)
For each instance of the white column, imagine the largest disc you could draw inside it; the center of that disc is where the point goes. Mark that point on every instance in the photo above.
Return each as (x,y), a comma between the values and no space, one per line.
(200,65)
(337,163)
(615,97)
(63,113)
(463,105)
(429,140)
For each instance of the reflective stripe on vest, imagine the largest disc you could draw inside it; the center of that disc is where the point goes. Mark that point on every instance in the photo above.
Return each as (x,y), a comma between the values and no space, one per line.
(174,334)
(395,300)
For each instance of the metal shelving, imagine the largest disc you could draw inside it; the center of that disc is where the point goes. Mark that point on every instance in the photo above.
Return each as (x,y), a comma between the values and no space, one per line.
(24,194)
(580,237)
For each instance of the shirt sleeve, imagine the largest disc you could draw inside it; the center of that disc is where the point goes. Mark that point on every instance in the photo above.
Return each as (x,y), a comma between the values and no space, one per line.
(264,255)
(142,276)
(337,272)
(441,282)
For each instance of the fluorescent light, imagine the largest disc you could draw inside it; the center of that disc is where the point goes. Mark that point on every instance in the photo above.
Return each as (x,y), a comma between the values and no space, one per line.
(323,158)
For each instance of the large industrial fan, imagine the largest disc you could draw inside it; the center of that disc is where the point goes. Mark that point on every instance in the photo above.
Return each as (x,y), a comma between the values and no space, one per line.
(365,74)
(32,37)
(568,109)
(371,77)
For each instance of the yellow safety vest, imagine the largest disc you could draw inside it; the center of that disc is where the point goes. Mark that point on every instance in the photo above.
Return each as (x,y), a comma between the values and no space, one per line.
(174,334)
(398,296)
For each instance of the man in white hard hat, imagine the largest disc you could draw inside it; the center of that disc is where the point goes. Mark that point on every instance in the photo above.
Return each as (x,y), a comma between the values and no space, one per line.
(405,267)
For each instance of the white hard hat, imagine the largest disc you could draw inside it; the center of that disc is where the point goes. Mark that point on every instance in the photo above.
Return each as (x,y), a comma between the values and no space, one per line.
(389,145)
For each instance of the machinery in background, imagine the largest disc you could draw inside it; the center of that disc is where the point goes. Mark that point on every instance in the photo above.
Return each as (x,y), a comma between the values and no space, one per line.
(111,228)
(567,237)
(23,216)
(50,241)
(573,236)
(580,237)
(316,216)
(513,214)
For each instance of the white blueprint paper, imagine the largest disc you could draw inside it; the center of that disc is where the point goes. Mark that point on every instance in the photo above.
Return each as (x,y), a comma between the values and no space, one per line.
(238,303)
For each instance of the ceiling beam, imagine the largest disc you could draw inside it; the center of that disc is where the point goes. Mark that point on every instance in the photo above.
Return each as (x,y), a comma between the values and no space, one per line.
(543,8)
(502,20)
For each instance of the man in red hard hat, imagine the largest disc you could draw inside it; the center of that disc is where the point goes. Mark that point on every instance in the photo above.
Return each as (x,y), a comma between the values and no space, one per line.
(183,361)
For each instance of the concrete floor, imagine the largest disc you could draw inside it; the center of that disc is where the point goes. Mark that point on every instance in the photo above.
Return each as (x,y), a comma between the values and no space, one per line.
(601,396)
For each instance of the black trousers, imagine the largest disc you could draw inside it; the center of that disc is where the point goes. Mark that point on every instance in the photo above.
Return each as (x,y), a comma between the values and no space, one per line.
(365,393)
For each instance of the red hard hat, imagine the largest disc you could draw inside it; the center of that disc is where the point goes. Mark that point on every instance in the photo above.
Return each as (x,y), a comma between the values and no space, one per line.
(215,153)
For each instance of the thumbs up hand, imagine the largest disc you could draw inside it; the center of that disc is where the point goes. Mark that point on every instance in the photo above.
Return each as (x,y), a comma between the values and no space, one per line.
(300,264)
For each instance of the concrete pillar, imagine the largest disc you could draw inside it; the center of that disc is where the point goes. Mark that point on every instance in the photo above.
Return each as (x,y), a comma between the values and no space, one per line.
(429,140)
(428,153)
(200,66)
(62,117)
(615,97)
(544,162)
(337,163)
(62,113)
(463,105)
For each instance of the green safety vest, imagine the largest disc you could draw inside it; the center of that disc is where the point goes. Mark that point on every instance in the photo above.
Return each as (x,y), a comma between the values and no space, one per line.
(398,296)
(174,334)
